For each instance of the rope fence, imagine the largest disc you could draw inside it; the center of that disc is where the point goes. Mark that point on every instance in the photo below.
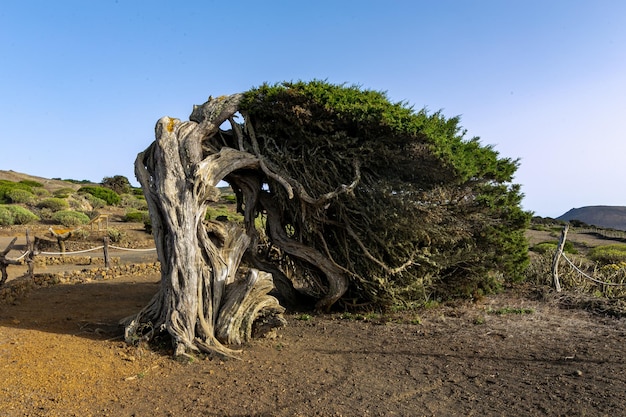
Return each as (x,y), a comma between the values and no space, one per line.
(22,256)
(94,249)
(597,281)
(132,250)
(555,265)
(31,252)
(71,253)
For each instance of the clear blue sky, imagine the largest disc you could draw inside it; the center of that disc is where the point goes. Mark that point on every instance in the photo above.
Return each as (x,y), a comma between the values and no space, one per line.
(82,83)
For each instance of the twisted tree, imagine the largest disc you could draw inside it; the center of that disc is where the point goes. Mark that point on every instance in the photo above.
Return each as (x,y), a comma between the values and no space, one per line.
(360,200)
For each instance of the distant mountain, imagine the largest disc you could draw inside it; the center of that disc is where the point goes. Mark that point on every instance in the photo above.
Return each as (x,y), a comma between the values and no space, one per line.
(609,217)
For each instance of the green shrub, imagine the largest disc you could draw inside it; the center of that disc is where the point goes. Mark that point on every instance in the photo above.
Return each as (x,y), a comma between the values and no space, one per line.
(64,192)
(550,247)
(31,183)
(22,215)
(73,181)
(41,192)
(569,247)
(111,197)
(11,184)
(213,213)
(45,214)
(136,216)
(79,202)
(70,218)
(115,235)
(95,202)
(608,254)
(6,186)
(133,202)
(229,198)
(544,247)
(6,218)
(54,204)
(18,196)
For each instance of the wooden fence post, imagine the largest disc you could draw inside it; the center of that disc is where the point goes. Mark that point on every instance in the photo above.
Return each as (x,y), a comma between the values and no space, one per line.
(107,261)
(557,256)
(30,256)
(5,262)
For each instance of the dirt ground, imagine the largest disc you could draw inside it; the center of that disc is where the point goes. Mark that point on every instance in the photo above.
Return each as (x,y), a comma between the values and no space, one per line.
(513,354)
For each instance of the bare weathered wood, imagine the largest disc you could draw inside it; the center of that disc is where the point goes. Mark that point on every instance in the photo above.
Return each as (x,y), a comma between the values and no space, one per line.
(199,261)
(61,236)
(207,298)
(246,300)
(5,262)
(337,281)
(557,256)
(30,256)
(98,220)
(107,259)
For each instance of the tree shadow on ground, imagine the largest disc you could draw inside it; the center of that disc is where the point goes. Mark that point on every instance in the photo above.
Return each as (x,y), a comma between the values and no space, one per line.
(91,310)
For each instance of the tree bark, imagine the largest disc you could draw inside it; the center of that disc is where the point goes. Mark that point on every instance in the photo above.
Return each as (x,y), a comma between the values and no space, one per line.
(202,303)
(337,281)
(5,262)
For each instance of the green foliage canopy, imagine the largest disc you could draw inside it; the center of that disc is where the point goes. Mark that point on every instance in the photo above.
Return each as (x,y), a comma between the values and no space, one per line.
(117,183)
(432,212)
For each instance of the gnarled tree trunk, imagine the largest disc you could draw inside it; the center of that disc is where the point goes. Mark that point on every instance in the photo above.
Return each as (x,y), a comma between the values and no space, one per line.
(203,302)
(201,297)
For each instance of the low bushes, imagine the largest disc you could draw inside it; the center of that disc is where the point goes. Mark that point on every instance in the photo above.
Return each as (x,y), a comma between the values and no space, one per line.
(131,201)
(70,218)
(22,215)
(41,192)
(6,218)
(221,211)
(95,202)
(8,186)
(608,254)
(19,196)
(53,204)
(136,216)
(12,214)
(115,235)
(31,183)
(64,192)
(550,247)
(111,197)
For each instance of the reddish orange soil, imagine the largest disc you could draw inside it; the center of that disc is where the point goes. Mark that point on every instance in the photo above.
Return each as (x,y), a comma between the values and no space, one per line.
(61,355)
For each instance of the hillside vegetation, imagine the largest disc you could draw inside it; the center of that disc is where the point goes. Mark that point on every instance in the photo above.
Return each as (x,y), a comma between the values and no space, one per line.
(27,199)
(43,201)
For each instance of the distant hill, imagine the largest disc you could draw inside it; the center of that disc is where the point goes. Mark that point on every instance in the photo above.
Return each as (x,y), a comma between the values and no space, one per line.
(49,184)
(609,217)
(55,184)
